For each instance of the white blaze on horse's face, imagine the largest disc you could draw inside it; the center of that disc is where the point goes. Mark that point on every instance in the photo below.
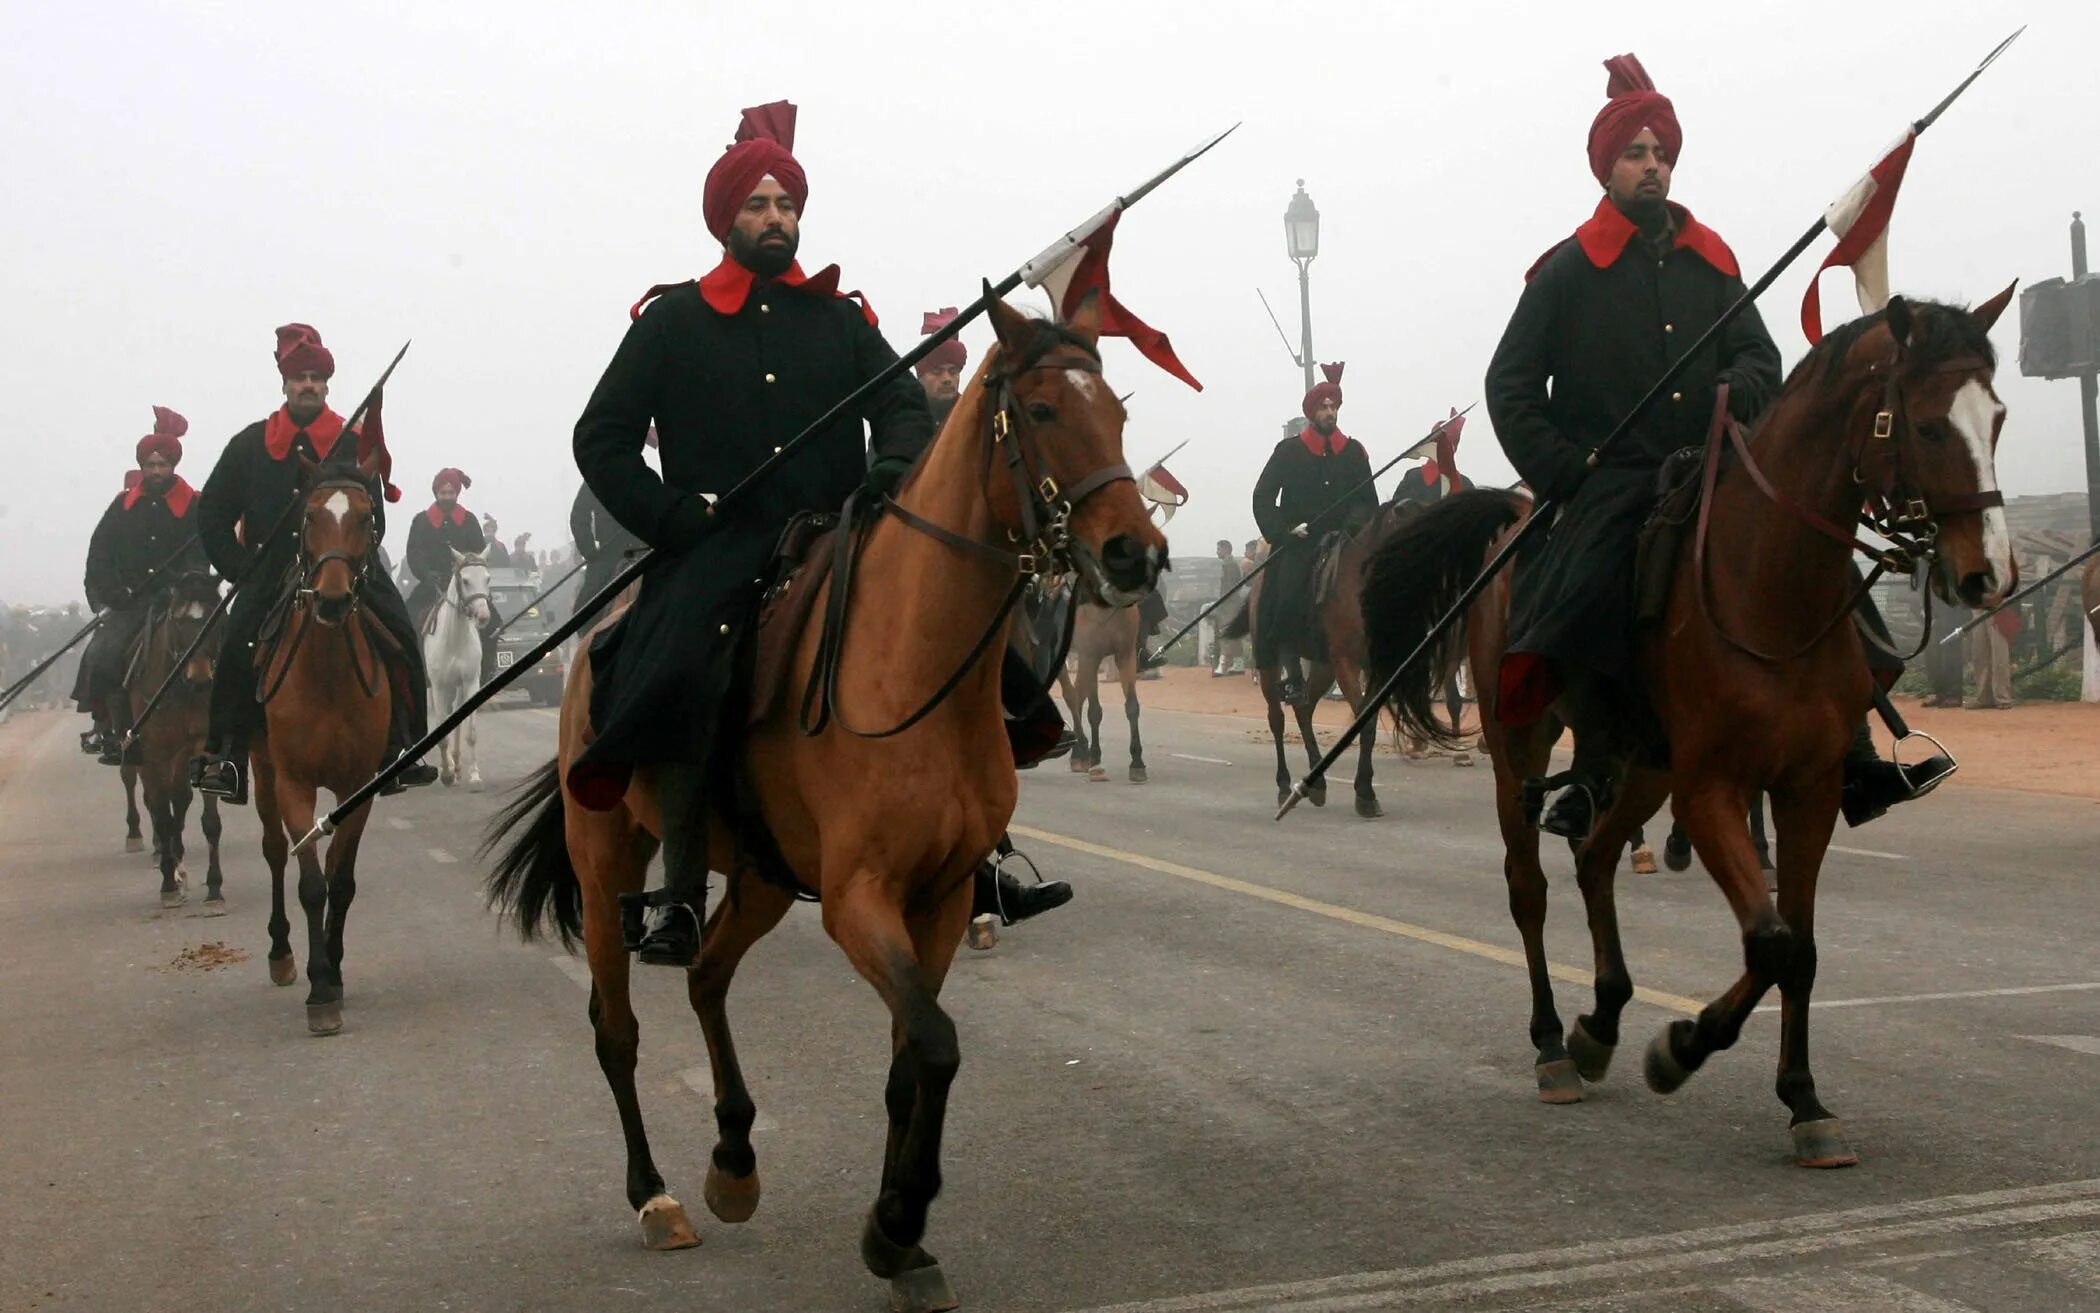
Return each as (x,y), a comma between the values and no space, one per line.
(1082,382)
(338,505)
(1975,415)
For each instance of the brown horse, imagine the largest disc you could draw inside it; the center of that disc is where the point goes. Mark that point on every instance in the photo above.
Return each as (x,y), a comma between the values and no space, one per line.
(1101,633)
(323,682)
(175,733)
(2089,594)
(1340,618)
(888,830)
(1756,672)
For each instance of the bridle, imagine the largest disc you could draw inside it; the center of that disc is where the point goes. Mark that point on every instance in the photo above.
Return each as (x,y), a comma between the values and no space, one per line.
(462,603)
(303,595)
(1896,510)
(1041,544)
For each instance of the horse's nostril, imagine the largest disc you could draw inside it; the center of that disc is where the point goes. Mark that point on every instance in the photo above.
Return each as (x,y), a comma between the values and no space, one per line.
(1127,562)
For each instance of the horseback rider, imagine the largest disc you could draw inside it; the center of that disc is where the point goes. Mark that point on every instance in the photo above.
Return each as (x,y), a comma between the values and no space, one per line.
(602,541)
(1307,474)
(442,529)
(498,556)
(253,489)
(134,546)
(998,892)
(1602,315)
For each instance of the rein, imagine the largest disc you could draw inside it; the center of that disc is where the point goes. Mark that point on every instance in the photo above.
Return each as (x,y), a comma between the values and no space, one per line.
(1044,537)
(301,597)
(1896,511)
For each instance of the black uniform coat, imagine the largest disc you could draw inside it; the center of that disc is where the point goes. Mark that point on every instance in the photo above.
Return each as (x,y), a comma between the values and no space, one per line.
(601,540)
(138,534)
(252,489)
(1604,314)
(728,380)
(432,538)
(1296,487)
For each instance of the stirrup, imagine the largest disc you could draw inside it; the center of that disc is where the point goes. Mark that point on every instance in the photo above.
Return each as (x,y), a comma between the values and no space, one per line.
(1902,773)
(1533,793)
(999,868)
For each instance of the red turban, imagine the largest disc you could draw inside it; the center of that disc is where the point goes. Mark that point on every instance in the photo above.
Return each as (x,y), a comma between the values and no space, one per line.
(1634,104)
(951,353)
(1328,393)
(763,142)
(166,437)
(299,348)
(456,478)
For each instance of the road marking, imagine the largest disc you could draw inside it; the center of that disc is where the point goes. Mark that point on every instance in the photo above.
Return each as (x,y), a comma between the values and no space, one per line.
(2075,1043)
(1835,1292)
(2075,1258)
(1351,916)
(400,823)
(1208,761)
(441,856)
(575,968)
(1446,1284)
(1868,852)
(2013,991)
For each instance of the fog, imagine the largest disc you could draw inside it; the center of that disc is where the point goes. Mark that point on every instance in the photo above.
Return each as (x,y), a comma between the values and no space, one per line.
(500,182)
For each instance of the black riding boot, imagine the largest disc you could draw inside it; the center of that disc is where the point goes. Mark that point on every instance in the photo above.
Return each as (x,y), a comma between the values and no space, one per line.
(663,926)
(1001,894)
(402,723)
(1873,785)
(224,775)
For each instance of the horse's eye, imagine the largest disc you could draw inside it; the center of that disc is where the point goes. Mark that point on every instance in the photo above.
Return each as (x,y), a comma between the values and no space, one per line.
(1934,430)
(1041,413)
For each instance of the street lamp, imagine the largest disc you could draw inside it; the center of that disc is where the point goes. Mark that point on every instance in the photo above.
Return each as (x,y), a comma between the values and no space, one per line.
(1301,234)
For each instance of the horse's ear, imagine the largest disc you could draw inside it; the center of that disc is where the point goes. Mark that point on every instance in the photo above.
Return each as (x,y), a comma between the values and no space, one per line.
(1014,330)
(458,556)
(1086,317)
(1987,313)
(1897,316)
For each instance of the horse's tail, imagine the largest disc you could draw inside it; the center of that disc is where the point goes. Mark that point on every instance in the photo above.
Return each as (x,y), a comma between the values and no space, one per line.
(1414,577)
(1238,626)
(533,880)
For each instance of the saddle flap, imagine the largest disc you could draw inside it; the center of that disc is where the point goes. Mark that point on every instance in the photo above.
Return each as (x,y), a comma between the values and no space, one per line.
(801,563)
(1327,570)
(1665,531)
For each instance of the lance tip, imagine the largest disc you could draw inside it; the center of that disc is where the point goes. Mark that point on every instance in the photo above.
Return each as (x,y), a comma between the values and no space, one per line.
(1297,795)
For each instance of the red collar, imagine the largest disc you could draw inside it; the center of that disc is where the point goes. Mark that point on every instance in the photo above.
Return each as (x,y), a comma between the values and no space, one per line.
(436,515)
(1604,237)
(280,432)
(1333,444)
(177,496)
(728,285)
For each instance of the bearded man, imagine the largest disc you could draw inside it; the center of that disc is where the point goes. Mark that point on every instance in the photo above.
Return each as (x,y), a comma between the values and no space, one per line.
(443,528)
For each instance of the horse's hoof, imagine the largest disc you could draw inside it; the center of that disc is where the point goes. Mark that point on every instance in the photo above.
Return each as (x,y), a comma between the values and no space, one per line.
(1559,1081)
(731,1198)
(134,844)
(1137,775)
(215,905)
(474,784)
(1097,774)
(1644,860)
(171,899)
(324,1018)
(1665,1075)
(1821,1143)
(1368,808)
(1283,795)
(1461,758)
(1078,764)
(922,1290)
(664,1225)
(1592,1055)
(983,932)
(886,1258)
(284,970)
(1317,794)
(445,778)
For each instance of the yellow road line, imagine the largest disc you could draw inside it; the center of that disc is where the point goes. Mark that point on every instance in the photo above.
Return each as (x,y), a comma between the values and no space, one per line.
(1349,915)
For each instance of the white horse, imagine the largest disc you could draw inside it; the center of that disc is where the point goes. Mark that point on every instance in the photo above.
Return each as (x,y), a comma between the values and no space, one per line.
(452,656)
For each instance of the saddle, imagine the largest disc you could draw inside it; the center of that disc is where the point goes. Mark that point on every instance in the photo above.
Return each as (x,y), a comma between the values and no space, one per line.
(1327,566)
(795,574)
(1666,531)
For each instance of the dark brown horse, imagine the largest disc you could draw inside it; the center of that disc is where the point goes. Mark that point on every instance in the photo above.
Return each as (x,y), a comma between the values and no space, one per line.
(889,830)
(1102,633)
(1340,618)
(324,686)
(175,733)
(1756,671)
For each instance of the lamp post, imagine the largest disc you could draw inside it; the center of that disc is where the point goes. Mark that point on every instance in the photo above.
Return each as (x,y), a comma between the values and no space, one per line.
(1301,233)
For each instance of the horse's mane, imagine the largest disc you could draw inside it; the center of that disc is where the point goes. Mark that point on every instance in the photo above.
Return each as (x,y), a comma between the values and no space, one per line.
(1050,335)
(1939,331)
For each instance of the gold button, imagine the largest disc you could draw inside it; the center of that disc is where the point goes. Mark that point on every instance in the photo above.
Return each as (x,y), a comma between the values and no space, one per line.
(764,309)
(1677,396)
(1669,328)
(725,629)
(769,378)
(776,451)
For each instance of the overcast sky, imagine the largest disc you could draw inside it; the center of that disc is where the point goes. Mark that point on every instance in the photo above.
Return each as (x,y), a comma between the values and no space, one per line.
(501,181)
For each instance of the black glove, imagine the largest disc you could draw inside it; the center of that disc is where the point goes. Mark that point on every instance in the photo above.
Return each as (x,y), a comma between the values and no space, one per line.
(886,475)
(688,522)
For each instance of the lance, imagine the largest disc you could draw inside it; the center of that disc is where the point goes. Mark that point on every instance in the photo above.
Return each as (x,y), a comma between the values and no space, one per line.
(15,689)
(1034,272)
(225,601)
(526,609)
(1543,512)
(2028,591)
(1291,544)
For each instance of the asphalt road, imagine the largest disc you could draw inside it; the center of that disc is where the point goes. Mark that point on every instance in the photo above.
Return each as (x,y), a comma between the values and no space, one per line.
(1251,1066)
